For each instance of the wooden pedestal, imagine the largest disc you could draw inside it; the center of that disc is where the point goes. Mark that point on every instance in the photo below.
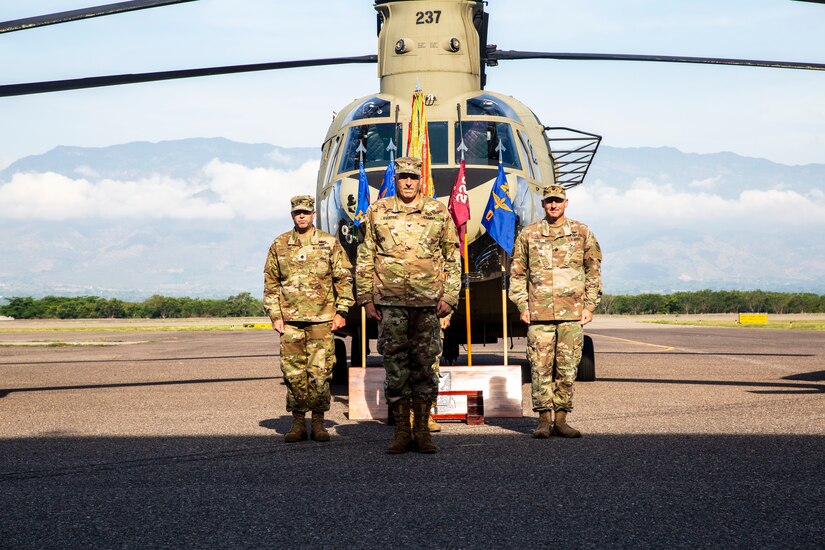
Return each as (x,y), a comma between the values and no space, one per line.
(500,387)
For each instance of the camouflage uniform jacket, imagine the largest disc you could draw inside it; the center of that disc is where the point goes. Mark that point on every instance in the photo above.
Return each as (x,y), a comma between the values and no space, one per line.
(308,282)
(556,277)
(409,256)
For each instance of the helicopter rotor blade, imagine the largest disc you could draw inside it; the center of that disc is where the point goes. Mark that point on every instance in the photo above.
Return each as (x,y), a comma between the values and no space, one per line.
(116,80)
(494,55)
(84,13)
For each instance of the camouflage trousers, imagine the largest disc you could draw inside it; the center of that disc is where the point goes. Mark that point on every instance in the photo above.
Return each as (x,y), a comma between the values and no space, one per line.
(559,341)
(437,362)
(409,338)
(307,354)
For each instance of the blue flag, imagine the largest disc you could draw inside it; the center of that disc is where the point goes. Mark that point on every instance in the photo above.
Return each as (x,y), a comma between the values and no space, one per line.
(388,186)
(363,196)
(499,219)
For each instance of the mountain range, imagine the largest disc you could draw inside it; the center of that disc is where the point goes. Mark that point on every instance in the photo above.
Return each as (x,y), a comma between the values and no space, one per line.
(195,217)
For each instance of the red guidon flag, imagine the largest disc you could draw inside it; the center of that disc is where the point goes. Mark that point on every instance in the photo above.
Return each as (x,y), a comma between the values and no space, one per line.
(459,205)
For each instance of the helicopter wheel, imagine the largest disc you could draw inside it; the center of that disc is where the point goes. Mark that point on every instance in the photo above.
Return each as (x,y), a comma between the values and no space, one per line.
(450,348)
(587,367)
(340,374)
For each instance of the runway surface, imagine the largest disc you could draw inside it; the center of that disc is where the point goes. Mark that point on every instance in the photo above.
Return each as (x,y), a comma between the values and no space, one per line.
(693,437)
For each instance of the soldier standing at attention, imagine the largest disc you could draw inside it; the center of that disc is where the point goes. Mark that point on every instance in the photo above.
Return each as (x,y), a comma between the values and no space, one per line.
(556,283)
(307,294)
(408,276)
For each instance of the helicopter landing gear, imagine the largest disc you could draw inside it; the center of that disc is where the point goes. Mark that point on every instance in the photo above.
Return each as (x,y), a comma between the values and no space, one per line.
(449,348)
(340,374)
(587,367)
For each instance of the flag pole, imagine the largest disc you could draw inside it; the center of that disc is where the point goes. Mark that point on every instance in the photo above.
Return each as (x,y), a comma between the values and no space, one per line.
(361,150)
(467,305)
(363,337)
(501,227)
(462,148)
(503,302)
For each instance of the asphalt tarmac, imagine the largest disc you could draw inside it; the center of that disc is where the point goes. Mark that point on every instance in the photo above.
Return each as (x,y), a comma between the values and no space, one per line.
(693,438)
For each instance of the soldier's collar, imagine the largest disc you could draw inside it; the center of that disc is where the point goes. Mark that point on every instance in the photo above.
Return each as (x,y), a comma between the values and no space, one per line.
(312,235)
(399,206)
(546,228)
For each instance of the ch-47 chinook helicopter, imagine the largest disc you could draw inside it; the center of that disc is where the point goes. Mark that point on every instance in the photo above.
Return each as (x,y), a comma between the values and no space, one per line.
(439,47)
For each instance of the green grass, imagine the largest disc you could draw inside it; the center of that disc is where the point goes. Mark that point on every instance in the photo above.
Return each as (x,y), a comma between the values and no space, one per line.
(50,345)
(128,328)
(782,325)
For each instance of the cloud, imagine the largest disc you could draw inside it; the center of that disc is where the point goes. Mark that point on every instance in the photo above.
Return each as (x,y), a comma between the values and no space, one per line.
(259,193)
(86,171)
(648,204)
(223,191)
(707,183)
(279,157)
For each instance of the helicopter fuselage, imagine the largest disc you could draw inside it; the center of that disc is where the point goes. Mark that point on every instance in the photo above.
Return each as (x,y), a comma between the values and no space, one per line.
(437,47)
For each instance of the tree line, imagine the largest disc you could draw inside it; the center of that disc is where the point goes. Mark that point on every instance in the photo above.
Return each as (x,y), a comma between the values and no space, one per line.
(713,301)
(245,305)
(155,307)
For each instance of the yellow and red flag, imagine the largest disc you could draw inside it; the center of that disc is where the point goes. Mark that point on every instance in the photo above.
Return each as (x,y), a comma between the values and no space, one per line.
(418,143)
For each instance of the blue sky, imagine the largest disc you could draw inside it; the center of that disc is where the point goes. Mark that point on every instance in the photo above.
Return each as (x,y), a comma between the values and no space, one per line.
(78,232)
(775,114)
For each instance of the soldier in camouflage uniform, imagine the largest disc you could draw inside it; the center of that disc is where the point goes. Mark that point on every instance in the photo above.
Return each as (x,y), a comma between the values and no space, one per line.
(556,283)
(307,294)
(408,276)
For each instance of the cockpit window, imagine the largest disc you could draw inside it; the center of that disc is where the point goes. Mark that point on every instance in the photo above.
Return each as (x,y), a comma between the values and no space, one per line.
(376,138)
(485,104)
(481,139)
(375,107)
(525,155)
(330,159)
(438,142)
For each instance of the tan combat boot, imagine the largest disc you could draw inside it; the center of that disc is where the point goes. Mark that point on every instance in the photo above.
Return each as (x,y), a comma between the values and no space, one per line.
(545,426)
(319,433)
(560,427)
(423,441)
(401,413)
(298,431)
(432,425)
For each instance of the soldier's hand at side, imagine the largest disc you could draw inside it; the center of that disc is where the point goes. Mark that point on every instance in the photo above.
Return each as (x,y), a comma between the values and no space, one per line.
(445,322)
(443,308)
(525,316)
(278,326)
(372,311)
(587,316)
(338,322)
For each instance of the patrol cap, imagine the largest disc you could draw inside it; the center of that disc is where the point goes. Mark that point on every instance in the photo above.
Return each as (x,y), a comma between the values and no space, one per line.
(554,191)
(408,165)
(303,203)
